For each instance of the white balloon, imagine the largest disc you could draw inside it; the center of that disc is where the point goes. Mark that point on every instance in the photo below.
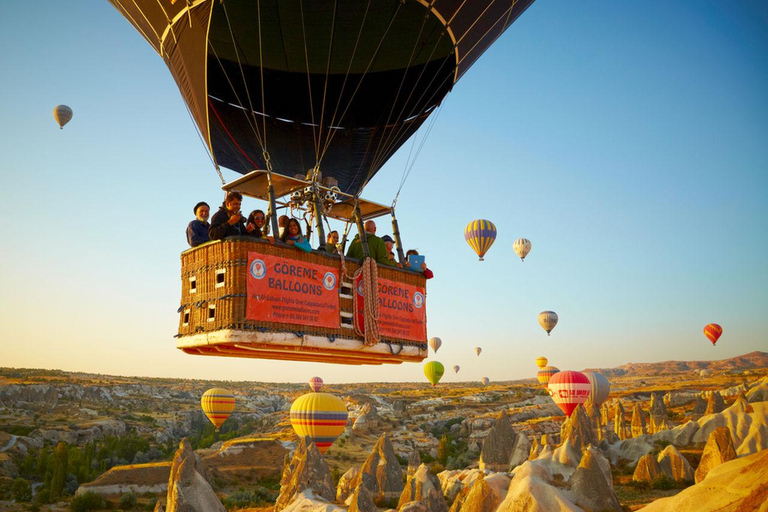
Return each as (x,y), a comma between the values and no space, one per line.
(522,247)
(548,320)
(435,343)
(456,368)
(478,350)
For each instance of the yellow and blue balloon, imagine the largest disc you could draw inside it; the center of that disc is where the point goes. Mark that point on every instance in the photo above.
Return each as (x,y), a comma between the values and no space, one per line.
(218,404)
(321,417)
(480,235)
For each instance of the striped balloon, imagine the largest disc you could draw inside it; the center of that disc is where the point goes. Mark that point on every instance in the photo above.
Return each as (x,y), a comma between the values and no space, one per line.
(480,235)
(600,388)
(434,371)
(713,332)
(541,361)
(485,381)
(522,247)
(569,389)
(321,417)
(316,384)
(218,404)
(545,374)
(548,320)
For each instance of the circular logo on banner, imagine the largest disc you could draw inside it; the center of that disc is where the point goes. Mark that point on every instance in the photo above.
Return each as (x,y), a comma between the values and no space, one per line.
(258,269)
(329,281)
(360,289)
(418,299)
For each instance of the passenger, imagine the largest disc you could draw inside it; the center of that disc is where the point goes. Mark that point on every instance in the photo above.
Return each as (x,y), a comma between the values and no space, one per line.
(332,243)
(428,274)
(197,230)
(292,233)
(389,244)
(282,221)
(376,247)
(228,221)
(255,224)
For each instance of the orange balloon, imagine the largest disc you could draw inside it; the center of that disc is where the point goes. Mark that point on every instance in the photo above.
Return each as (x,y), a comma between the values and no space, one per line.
(713,332)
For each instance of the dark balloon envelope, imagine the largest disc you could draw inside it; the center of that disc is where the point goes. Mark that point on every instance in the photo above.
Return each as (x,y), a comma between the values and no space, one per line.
(343,84)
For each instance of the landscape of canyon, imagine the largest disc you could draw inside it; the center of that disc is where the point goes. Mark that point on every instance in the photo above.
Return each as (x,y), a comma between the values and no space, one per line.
(672,436)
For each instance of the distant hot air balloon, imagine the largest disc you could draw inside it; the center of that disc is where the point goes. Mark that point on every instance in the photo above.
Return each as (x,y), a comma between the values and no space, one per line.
(478,350)
(456,369)
(705,373)
(569,389)
(545,374)
(713,332)
(434,372)
(62,114)
(480,235)
(600,387)
(522,247)
(316,384)
(485,381)
(548,320)
(541,361)
(218,404)
(435,343)
(320,416)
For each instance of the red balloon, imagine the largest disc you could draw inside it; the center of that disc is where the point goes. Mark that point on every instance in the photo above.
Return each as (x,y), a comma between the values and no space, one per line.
(569,389)
(713,332)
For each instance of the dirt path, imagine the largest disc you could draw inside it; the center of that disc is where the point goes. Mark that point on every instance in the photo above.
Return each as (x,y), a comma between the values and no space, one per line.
(9,444)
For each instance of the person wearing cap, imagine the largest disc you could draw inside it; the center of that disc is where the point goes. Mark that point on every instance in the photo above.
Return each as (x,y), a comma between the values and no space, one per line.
(389,244)
(197,230)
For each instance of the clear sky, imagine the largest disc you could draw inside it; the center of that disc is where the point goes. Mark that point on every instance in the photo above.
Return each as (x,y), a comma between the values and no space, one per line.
(627,141)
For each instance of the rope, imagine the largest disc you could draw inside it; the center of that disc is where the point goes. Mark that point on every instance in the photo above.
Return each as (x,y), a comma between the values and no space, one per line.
(369,282)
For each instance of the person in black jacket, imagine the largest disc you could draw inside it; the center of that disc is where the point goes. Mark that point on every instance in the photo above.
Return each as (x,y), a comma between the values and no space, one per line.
(197,230)
(228,221)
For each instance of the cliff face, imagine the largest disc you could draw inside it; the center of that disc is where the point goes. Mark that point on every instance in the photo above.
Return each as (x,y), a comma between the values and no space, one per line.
(306,471)
(498,445)
(381,472)
(188,490)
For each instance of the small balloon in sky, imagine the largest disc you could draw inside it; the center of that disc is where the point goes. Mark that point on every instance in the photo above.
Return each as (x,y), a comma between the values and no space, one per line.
(548,320)
(478,350)
(435,343)
(480,235)
(316,384)
(713,332)
(62,114)
(522,247)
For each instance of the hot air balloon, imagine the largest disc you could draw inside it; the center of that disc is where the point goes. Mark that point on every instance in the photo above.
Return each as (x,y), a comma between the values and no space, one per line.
(522,247)
(456,369)
(327,90)
(569,389)
(218,404)
(435,343)
(62,114)
(713,332)
(478,350)
(600,388)
(705,373)
(316,384)
(541,361)
(480,235)
(485,381)
(545,374)
(548,320)
(320,416)
(434,372)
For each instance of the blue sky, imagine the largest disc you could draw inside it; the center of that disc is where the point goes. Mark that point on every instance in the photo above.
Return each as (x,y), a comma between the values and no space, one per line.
(627,143)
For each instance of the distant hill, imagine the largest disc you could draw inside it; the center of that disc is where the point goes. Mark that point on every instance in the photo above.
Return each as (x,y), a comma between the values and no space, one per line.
(739,363)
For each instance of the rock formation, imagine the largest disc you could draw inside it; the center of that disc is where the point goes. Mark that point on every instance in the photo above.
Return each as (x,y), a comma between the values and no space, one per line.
(715,403)
(414,461)
(579,429)
(498,445)
(592,484)
(413,506)
(188,490)
(345,487)
(638,422)
(535,450)
(361,424)
(758,392)
(531,491)
(423,486)
(620,425)
(738,485)
(605,412)
(674,465)
(481,497)
(596,418)
(362,500)
(659,416)
(698,408)
(647,469)
(520,451)
(719,449)
(381,472)
(306,471)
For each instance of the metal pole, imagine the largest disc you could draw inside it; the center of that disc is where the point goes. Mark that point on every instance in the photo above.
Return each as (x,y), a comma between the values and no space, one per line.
(361,231)
(398,241)
(318,215)
(272,207)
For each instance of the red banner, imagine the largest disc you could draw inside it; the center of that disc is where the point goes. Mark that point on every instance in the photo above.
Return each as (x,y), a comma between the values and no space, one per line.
(402,310)
(292,292)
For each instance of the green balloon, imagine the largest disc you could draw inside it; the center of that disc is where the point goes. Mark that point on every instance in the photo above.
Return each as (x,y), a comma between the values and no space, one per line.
(434,371)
